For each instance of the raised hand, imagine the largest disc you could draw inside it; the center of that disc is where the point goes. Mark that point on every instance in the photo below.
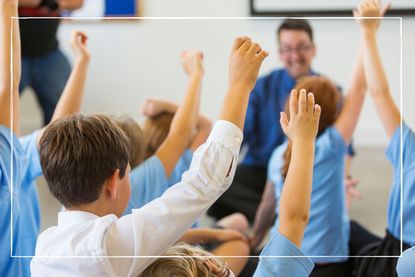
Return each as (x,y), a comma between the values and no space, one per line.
(78,44)
(192,61)
(244,63)
(370,8)
(304,117)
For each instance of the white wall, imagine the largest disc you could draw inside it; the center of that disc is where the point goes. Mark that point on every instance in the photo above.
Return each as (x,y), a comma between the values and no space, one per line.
(135,59)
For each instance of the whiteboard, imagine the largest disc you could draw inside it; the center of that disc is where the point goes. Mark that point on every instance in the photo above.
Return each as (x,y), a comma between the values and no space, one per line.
(321,7)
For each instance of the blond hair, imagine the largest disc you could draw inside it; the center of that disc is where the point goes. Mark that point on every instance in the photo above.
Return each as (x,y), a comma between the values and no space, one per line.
(136,136)
(186,261)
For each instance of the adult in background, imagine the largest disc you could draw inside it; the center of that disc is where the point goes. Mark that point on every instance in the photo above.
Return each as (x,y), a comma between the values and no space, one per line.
(44,67)
(262,131)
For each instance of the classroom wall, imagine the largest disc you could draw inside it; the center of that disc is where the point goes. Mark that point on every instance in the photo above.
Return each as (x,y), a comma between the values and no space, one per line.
(136,59)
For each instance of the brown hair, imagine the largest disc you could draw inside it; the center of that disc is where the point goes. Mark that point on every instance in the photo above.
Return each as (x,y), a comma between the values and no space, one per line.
(295,24)
(156,130)
(136,136)
(186,261)
(327,96)
(78,153)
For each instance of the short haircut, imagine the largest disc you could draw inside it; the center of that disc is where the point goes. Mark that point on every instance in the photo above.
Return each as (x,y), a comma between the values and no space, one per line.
(297,24)
(136,137)
(78,153)
(186,260)
(156,130)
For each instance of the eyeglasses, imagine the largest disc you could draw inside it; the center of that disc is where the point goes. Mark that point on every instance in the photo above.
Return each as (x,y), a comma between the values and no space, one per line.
(302,49)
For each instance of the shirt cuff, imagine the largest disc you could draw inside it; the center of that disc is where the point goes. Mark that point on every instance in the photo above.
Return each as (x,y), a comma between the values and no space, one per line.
(226,133)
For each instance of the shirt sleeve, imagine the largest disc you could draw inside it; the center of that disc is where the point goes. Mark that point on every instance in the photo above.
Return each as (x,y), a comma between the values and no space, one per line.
(405,266)
(30,148)
(10,151)
(292,261)
(149,231)
(148,182)
(393,152)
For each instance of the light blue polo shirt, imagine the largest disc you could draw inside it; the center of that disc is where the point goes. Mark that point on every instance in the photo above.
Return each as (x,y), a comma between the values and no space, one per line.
(25,221)
(149,180)
(406,263)
(297,266)
(327,233)
(393,153)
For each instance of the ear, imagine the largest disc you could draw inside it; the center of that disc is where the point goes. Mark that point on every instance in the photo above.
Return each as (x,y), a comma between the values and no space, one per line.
(111,184)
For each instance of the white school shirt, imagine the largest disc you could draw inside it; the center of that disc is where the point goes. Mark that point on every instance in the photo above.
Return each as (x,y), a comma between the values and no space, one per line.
(147,231)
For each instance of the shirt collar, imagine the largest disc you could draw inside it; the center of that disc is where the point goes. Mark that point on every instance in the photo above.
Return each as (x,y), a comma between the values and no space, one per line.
(68,218)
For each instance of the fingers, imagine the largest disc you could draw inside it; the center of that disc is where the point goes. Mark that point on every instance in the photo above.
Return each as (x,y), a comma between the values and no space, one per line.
(302,108)
(255,48)
(310,103)
(284,122)
(317,112)
(79,37)
(239,41)
(293,103)
(386,8)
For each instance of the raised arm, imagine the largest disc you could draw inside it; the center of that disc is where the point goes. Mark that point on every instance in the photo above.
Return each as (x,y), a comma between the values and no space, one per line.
(296,194)
(244,63)
(153,107)
(374,71)
(71,98)
(9,57)
(185,118)
(353,101)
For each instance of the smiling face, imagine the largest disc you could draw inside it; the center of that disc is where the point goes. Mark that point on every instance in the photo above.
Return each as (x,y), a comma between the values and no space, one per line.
(296,51)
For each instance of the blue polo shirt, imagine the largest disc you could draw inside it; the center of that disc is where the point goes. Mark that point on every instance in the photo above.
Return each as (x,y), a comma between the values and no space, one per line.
(297,266)
(24,218)
(327,233)
(262,130)
(406,263)
(393,153)
(149,180)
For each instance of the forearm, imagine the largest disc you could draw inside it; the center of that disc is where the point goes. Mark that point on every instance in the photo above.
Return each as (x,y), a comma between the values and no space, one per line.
(185,118)
(235,105)
(378,84)
(71,99)
(296,194)
(9,84)
(198,236)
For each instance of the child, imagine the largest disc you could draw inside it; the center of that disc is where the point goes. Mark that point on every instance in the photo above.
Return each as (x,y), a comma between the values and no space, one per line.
(21,221)
(88,172)
(402,138)
(295,204)
(326,237)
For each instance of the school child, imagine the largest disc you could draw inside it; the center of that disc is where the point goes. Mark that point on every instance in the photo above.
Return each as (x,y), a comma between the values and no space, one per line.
(401,141)
(326,237)
(19,157)
(88,172)
(302,129)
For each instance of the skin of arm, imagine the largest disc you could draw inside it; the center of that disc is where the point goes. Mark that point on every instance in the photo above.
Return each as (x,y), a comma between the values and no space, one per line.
(153,107)
(63,4)
(244,63)
(264,215)
(296,194)
(71,98)
(206,235)
(9,85)
(374,71)
(185,119)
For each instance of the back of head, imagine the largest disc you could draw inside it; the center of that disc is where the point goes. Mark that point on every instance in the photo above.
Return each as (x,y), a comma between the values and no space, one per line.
(78,153)
(186,261)
(327,96)
(156,130)
(296,24)
(136,136)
